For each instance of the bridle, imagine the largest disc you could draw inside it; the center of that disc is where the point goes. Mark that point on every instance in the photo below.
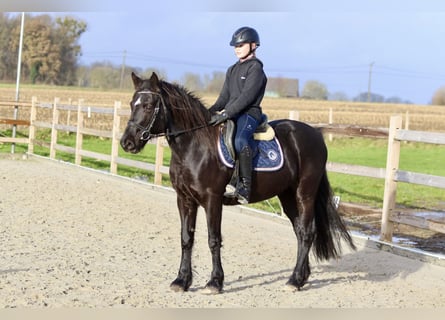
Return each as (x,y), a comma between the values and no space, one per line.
(146,134)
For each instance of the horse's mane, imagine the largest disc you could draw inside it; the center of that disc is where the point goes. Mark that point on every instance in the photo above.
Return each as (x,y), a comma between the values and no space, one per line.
(186,110)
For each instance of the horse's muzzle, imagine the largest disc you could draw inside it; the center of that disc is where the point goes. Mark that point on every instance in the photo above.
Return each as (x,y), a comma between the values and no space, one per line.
(128,144)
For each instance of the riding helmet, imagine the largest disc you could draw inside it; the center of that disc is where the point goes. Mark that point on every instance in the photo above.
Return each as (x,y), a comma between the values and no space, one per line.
(245,35)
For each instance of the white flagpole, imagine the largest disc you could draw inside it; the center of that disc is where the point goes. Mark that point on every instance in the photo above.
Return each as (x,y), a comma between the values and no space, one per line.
(17,87)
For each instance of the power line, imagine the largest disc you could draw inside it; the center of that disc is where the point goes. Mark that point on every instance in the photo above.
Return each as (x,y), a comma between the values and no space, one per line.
(396,72)
(150,58)
(380,70)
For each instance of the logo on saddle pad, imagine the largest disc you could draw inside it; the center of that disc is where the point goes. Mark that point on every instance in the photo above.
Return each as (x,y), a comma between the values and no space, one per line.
(268,157)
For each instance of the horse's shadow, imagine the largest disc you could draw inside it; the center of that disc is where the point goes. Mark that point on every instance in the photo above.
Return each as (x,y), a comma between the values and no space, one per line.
(366,264)
(237,285)
(272,277)
(7,271)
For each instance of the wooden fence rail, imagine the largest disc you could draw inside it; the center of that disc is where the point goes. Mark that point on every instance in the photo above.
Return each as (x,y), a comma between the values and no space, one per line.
(14,122)
(115,114)
(395,134)
(394,175)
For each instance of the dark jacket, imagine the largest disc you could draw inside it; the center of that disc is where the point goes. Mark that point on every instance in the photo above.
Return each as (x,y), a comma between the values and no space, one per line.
(243,89)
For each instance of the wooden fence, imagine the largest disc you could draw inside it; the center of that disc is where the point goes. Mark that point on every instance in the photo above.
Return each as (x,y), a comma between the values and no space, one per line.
(394,175)
(391,176)
(14,122)
(82,111)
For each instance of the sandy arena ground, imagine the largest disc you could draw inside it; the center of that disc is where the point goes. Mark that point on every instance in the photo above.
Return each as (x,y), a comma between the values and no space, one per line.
(74,237)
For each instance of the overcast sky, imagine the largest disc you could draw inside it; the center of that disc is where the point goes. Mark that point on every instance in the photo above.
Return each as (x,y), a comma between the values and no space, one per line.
(333,42)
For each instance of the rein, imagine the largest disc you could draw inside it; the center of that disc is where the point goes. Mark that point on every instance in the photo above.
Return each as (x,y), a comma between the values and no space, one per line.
(147,135)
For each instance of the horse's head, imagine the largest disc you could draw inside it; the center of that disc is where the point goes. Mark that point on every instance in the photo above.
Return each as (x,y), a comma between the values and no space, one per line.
(147,114)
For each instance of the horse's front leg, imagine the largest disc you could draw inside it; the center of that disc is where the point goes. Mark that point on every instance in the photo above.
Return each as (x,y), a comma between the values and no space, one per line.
(187,211)
(213,214)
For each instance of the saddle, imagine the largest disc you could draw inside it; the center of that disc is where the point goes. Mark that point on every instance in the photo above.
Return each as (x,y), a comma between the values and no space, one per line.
(268,155)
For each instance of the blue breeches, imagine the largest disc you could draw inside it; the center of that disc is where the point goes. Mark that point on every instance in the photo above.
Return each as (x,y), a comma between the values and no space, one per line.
(245,127)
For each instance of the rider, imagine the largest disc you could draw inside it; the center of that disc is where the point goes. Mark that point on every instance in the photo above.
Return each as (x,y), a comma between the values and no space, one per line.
(240,100)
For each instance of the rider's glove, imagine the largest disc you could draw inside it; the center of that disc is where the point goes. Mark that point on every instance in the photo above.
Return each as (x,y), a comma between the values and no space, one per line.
(218,118)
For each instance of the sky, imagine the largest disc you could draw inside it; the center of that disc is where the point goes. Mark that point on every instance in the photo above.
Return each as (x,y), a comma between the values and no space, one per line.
(395,46)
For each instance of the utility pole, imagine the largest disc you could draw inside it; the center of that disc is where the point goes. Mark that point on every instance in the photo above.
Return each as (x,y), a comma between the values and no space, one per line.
(121,83)
(369,81)
(17,87)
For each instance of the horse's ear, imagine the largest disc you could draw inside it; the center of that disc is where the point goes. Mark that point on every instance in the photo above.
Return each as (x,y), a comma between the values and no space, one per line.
(137,82)
(154,80)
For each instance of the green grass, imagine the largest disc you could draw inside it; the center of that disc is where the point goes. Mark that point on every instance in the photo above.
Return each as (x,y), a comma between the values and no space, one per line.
(416,157)
(99,145)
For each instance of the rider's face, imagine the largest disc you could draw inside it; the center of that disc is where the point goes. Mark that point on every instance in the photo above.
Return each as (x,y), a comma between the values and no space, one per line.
(243,50)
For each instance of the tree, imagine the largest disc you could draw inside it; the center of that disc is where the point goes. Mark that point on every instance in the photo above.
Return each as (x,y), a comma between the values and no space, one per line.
(66,35)
(393,100)
(83,76)
(439,97)
(363,97)
(338,96)
(149,71)
(192,81)
(314,90)
(215,82)
(9,45)
(8,52)
(104,75)
(39,56)
(50,48)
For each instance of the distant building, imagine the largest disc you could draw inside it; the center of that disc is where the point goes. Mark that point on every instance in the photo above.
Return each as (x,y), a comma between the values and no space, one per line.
(282,87)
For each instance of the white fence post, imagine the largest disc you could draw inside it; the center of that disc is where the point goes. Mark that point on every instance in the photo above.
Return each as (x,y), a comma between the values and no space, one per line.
(52,151)
(159,160)
(330,121)
(115,137)
(79,135)
(294,115)
(32,127)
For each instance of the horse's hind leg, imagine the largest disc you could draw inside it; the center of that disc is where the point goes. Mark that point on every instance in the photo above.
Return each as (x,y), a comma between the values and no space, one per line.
(300,212)
(187,210)
(305,230)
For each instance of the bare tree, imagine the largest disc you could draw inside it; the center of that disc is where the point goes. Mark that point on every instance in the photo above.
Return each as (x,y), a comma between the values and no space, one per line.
(214,83)
(314,90)
(338,96)
(192,81)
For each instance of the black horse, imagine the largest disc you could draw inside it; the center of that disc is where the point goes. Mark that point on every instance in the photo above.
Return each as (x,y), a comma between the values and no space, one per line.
(199,177)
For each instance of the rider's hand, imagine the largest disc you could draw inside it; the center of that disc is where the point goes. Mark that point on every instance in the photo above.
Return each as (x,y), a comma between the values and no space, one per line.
(218,118)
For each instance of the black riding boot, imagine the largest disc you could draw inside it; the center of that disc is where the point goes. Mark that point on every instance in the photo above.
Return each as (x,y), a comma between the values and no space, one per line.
(244,184)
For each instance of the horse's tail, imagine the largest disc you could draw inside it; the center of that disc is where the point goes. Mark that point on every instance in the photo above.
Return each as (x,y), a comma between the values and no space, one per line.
(330,229)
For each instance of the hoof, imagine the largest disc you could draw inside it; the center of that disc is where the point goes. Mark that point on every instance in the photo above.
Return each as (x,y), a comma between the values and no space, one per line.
(210,291)
(212,287)
(179,286)
(294,285)
(290,287)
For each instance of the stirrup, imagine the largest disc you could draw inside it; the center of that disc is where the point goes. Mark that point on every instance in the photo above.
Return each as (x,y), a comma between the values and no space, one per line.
(241,199)
(242,193)
(230,191)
